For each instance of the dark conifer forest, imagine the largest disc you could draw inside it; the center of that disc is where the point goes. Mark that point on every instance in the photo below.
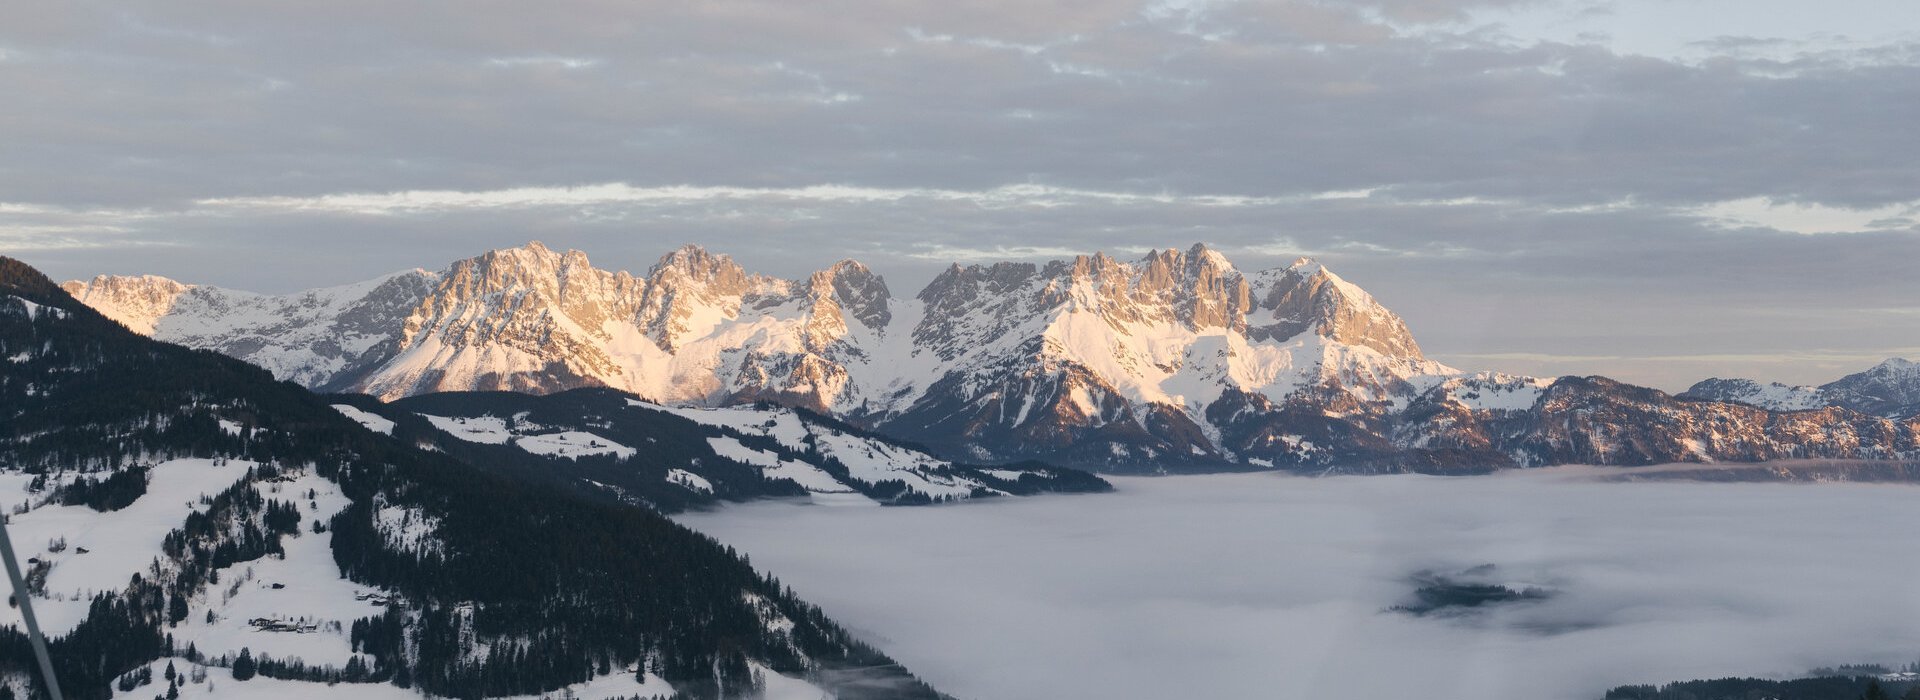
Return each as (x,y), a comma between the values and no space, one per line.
(668,442)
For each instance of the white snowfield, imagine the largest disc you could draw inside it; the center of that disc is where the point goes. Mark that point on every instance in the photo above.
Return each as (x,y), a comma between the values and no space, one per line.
(540,440)
(1492,391)
(371,421)
(821,487)
(486,430)
(571,443)
(871,461)
(102,551)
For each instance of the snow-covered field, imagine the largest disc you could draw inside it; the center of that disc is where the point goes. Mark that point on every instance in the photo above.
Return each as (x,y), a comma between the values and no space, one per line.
(871,461)
(101,551)
(310,591)
(373,422)
(1270,586)
(491,430)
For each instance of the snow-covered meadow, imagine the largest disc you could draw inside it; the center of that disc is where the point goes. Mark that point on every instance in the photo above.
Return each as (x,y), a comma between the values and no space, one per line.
(1267,586)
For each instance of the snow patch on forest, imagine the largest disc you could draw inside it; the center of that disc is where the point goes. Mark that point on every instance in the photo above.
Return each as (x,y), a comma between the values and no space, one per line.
(690,480)
(533,438)
(868,460)
(486,430)
(406,528)
(571,443)
(373,421)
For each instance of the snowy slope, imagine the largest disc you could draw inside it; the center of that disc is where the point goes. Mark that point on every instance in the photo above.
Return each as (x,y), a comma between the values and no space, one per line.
(315,338)
(1773,397)
(865,461)
(372,421)
(672,458)
(304,587)
(118,543)
(1890,389)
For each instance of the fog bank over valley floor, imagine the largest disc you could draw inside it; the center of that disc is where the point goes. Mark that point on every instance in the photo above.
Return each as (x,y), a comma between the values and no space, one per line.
(1262,585)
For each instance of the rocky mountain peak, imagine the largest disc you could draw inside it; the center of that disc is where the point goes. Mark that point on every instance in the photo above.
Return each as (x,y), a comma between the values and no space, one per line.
(1891,388)
(854,289)
(688,290)
(136,301)
(1200,287)
(1307,296)
(692,264)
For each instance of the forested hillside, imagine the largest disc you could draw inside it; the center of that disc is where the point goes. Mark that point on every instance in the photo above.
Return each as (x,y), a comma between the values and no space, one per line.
(472,582)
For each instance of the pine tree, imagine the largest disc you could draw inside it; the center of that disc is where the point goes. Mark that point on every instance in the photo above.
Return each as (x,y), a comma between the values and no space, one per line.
(244,667)
(1875,692)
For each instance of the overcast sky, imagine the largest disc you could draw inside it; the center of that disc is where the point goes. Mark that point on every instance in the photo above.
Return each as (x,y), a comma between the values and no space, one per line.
(1658,190)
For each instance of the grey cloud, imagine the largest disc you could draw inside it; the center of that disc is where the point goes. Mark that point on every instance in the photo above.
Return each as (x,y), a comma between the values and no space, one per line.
(1288,97)
(1577,165)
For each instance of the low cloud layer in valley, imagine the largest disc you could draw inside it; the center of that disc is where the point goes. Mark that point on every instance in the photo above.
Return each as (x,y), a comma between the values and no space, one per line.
(1260,586)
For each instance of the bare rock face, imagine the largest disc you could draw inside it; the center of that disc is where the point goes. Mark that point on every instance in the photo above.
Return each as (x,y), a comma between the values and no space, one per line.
(1306,296)
(1176,361)
(690,283)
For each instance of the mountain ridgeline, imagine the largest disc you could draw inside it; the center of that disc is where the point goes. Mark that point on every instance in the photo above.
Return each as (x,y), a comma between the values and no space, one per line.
(180,507)
(1178,361)
(1890,389)
(672,459)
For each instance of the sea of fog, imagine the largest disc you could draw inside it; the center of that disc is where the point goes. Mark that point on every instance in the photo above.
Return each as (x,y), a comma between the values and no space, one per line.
(1273,586)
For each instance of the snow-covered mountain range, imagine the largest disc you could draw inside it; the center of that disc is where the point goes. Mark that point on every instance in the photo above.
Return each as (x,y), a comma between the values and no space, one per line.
(1174,361)
(1890,389)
